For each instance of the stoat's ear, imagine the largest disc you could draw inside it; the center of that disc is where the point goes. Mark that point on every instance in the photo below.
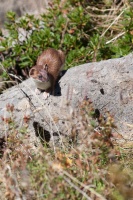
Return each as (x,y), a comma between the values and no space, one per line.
(46,67)
(32,72)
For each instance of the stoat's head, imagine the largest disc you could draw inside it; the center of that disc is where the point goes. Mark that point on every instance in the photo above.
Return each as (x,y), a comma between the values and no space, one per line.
(39,73)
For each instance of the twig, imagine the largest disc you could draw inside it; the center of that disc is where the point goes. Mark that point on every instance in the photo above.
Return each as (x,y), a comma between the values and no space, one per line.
(63,33)
(60,171)
(77,188)
(116,37)
(83,185)
(112,23)
(100,10)
(8,81)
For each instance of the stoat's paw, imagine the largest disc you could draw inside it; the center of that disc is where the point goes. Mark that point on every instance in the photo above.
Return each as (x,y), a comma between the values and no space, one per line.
(46,95)
(37,91)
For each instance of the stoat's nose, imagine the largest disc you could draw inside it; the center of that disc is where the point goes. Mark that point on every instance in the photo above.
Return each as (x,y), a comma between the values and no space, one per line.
(40,77)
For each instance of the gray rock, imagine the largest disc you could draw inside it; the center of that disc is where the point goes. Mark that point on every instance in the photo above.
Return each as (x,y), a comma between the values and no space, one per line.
(109,84)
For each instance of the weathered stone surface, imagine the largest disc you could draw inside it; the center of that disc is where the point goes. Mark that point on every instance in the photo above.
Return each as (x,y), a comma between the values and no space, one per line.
(109,84)
(21,8)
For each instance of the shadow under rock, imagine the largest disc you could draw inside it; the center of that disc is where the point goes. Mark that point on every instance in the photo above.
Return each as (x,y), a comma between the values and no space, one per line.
(57,85)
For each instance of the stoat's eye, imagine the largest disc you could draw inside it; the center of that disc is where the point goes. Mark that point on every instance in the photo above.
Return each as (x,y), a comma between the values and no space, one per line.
(40,76)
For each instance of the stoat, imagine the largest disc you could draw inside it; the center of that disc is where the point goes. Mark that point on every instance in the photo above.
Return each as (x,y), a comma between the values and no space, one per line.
(47,69)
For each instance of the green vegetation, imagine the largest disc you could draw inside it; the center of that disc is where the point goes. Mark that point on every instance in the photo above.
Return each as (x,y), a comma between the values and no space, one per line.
(85,31)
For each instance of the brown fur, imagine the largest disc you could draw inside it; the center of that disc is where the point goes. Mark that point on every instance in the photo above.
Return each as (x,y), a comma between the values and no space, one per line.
(49,64)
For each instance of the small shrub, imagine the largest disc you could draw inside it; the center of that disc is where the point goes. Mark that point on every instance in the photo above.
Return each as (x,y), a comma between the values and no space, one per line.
(90,165)
(80,29)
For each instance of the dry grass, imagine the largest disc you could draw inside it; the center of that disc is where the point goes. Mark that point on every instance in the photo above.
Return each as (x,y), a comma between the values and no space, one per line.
(91,165)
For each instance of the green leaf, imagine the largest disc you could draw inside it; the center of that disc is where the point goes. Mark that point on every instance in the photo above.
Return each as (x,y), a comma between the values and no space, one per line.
(11,15)
(2,48)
